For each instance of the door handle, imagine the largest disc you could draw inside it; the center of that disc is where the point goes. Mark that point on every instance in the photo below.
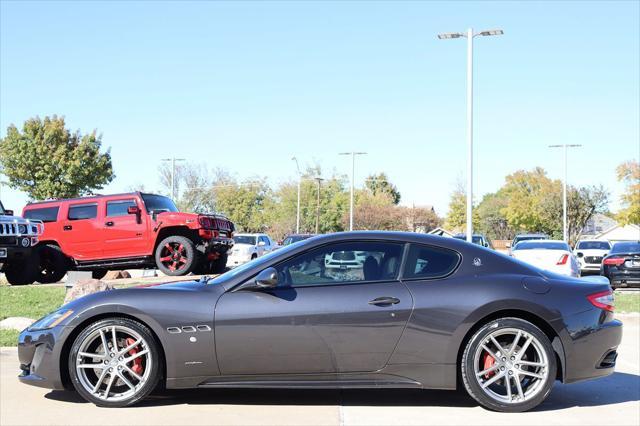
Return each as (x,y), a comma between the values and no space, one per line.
(110,223)
(67,228)
(381,301)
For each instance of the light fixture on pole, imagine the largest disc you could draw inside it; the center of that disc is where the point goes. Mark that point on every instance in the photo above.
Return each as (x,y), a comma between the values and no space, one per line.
(298,208)
(173,174)
(353,168)
(319,180)
(470,36)
(565,230)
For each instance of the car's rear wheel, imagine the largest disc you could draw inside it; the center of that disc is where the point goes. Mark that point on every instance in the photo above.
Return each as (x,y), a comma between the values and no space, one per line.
(98,274)
(509,365)
(219,265)
(176,255)
(115,362)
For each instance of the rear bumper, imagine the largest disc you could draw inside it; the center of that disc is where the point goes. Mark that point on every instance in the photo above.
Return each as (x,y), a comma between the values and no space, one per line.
(219,245)
(624,279)
(39,356)
(590,350)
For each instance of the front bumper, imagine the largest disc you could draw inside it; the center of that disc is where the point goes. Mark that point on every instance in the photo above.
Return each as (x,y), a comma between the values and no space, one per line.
(590,341)
(219,245)
(238,258)
(39,353)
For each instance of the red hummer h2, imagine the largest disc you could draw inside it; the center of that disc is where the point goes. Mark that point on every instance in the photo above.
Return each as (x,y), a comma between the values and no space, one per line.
(127,231)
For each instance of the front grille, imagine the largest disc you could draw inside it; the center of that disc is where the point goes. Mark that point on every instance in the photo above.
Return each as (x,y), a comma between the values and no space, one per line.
(8,228)
(593,259)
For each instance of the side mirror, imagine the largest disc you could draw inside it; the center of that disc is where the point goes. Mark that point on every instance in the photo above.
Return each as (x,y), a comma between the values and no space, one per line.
(267,278)
(261,243)
(8,212)
(486,244)
(579,254)
(133,210)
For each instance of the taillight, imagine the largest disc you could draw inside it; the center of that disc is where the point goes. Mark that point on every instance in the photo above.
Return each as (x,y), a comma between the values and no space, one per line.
(603,300)
(563,259)
(613,261)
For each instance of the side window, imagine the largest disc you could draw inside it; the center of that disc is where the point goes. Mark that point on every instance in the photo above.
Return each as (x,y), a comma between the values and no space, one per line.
(350,262)
(83,211)
(430,262)
(265,240)
(45,214)
(119,208)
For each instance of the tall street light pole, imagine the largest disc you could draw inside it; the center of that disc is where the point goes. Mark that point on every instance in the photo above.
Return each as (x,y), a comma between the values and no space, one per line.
(565,230)
(470,35)
(318,179)
(353,169)
(173,174)
(298,208)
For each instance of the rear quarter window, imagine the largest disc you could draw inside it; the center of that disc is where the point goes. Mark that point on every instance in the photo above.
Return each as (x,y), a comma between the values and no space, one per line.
(45,214)
(428,262)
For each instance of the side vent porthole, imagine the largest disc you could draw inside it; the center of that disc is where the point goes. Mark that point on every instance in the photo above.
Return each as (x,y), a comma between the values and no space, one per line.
(203,328)
(189,329)
(174,330)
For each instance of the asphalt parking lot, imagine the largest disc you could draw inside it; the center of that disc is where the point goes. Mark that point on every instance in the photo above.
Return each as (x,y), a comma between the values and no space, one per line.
(614,400)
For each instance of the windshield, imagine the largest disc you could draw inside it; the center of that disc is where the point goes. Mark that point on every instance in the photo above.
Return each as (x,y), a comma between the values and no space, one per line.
(294,239)
(256,264)
(542,245)
(245,239)
(626,247)
(593,245)
(528,238)
(158,203)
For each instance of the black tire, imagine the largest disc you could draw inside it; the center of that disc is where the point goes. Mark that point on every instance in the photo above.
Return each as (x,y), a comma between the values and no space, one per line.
(219,265)
(23,272)
(98,274)
(475,390)
(185,263)
(155,365)
(53,264)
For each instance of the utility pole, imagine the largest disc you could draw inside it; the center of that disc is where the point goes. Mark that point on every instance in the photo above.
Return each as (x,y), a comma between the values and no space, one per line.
(353,168)
(318,179)
(565,230)
(298,209)
(173,175)
(470,35)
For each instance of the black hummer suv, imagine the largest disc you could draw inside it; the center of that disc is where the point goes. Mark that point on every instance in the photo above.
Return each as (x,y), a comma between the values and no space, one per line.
(18,260)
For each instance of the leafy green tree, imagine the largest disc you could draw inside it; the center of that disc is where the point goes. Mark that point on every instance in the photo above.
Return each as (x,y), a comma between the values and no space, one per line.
(379,184)
(244,203)
(629,173)
(457,216)
(46,160)
(491,221)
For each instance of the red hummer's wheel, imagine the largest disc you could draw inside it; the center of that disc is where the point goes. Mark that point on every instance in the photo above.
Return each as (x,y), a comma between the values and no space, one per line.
(176,255)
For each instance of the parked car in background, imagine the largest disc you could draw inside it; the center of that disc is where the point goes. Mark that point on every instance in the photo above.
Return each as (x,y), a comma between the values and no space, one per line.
(18,260)
(479,239)
(590,254)
(622,264)
(126,231)
(294,238)
(250,246)
(550,255)
(525,237)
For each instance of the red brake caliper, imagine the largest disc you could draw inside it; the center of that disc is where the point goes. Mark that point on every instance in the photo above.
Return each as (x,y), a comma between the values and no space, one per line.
(137,363)
(488,362)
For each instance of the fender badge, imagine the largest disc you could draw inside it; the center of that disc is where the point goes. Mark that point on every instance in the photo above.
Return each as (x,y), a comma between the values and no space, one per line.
(477,261)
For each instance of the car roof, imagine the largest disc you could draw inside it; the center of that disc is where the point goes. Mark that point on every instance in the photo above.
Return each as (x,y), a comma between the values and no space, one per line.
(87,198)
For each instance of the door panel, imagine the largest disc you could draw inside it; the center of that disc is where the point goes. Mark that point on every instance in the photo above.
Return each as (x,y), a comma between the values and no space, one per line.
(123,236)
(315,329)
(81,230)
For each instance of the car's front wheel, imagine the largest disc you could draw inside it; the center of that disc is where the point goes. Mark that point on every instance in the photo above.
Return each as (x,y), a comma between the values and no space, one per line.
(115,362)
(509,365)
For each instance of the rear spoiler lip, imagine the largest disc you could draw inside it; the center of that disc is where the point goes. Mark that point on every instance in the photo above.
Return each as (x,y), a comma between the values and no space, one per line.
(598,279)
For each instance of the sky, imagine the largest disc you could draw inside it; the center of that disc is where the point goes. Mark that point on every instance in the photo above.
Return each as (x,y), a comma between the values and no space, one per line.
(247,85)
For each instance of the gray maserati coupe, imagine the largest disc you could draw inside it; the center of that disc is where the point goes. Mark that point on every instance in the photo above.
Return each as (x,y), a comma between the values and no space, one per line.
(346,310)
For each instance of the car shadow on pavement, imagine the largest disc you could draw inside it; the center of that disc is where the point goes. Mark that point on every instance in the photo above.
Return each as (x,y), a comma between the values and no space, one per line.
(614,389)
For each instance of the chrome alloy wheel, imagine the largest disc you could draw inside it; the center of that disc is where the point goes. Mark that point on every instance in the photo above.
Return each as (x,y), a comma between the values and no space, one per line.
(113,363)
(511,366)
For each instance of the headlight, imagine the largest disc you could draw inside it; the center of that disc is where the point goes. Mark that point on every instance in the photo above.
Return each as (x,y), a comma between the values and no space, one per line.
(22,229)
(50,320)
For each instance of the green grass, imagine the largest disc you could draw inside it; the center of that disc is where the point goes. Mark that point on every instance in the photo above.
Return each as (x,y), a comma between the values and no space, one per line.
(29,301)
(9,337)
(627,301)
